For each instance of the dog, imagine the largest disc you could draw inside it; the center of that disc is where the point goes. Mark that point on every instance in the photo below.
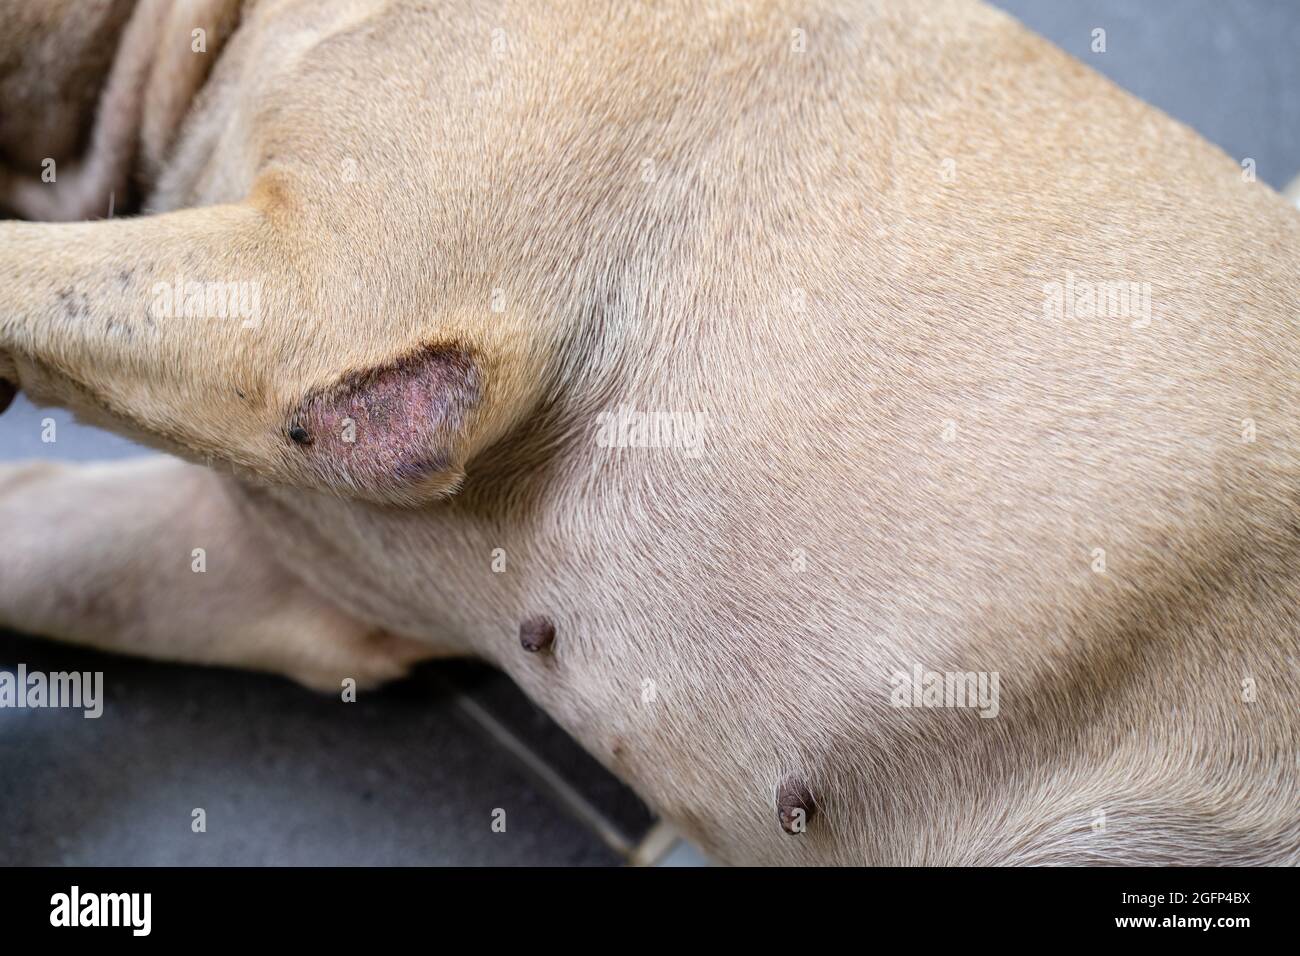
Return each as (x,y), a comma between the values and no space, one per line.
(871,433)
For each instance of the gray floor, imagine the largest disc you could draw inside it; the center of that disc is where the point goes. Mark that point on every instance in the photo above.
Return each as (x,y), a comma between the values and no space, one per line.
(411,775)
(1228,68)
(281,775)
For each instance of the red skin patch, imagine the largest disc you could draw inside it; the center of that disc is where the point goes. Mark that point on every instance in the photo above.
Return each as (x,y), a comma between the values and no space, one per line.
(391,426)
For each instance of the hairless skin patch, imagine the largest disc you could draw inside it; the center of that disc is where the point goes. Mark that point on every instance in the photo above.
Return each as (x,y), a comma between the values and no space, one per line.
(389,427)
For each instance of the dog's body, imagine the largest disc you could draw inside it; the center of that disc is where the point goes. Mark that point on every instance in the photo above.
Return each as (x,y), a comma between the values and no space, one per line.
(828,230)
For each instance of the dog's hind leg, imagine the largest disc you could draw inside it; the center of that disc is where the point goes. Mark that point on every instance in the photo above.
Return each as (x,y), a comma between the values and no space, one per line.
(155,557)
(133,68)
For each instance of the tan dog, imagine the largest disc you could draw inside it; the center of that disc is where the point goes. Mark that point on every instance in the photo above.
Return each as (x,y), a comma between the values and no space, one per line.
(879,426)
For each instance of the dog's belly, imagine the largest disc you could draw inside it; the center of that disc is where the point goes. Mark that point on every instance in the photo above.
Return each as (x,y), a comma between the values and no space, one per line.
(750,628)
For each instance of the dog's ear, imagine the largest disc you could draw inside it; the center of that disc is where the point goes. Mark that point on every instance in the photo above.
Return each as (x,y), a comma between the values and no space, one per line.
(391,433)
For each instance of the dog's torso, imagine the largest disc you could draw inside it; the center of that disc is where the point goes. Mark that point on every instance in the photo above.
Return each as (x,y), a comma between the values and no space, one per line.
(824,403)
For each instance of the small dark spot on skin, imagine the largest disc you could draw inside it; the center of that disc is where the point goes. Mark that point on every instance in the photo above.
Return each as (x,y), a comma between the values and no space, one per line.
(240,393)
(75,306)
(299,435)
(113,330)
(537,634)
(795,805)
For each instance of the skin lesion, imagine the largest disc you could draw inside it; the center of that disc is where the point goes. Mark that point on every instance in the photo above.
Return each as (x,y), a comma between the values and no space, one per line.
(387,431)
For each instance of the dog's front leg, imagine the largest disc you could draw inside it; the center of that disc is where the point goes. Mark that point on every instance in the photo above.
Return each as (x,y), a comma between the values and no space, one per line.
(90,318)
(217,333)
(154,557)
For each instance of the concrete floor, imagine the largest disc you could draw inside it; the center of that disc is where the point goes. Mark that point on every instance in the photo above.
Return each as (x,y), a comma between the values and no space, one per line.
(409,776)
